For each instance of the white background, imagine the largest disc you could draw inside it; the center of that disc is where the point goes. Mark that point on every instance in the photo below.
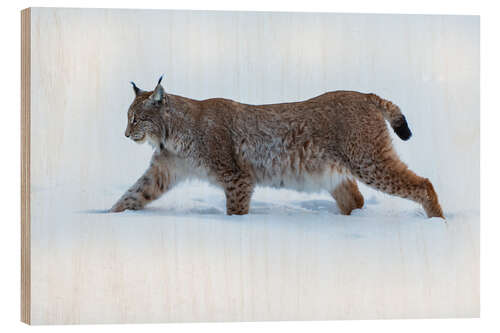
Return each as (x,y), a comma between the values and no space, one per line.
(11,182)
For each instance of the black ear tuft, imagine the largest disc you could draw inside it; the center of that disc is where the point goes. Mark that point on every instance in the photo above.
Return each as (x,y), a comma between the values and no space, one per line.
(159,81)
(137,90)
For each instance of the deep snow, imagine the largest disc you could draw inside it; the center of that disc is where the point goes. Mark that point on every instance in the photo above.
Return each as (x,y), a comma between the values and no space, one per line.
(294,256)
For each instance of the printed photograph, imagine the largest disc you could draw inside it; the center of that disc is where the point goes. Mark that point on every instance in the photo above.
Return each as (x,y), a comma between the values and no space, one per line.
(190,166)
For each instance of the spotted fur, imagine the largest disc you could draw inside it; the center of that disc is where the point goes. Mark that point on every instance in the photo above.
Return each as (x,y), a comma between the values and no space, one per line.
(324,143)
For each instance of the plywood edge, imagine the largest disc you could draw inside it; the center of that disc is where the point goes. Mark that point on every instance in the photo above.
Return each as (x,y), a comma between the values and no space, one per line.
(25,166)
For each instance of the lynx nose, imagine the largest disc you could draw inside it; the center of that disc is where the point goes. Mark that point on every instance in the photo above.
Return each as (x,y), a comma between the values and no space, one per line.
(127,133)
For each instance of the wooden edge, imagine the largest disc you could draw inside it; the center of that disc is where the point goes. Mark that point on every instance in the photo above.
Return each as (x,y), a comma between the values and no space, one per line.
(25,166)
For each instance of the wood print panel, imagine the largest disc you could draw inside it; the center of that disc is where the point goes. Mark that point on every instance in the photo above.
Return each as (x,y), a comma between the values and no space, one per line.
(294,257)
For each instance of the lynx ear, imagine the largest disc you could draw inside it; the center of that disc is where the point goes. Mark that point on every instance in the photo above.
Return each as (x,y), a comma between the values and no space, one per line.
(159,92)
(136,89)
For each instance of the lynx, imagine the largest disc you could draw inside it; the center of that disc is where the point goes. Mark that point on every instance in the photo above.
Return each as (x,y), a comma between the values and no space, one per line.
(325,143)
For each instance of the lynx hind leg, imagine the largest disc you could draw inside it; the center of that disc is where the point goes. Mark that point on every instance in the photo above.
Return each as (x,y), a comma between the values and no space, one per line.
(390,175)
(348,196)
(238,192)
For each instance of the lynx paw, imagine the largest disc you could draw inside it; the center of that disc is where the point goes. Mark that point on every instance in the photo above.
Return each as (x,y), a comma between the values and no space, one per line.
(117,208)
(127,203)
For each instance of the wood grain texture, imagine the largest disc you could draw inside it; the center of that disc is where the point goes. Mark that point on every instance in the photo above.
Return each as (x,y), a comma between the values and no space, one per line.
(294,257)
(25,166)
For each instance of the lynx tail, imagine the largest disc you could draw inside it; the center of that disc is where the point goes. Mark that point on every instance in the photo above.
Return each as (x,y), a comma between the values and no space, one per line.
(393,115)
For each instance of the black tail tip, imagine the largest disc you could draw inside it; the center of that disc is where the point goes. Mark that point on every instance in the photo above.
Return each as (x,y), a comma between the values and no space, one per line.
(402,129)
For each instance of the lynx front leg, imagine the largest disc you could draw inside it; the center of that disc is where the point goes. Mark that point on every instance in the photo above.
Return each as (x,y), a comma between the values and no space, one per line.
(348,196)
(238,194)
(232,173)
(155,181)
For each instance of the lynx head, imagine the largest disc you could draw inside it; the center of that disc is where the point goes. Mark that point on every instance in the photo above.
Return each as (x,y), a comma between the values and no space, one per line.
(145,115)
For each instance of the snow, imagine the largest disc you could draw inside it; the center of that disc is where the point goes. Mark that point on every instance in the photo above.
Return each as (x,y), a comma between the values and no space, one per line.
(293,257)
